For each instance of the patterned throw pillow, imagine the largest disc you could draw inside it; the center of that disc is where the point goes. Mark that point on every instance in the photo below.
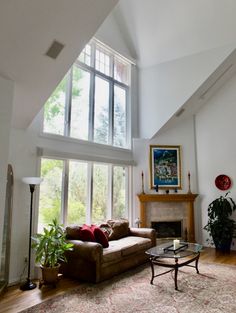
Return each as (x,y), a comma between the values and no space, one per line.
(106,229)
(120,228)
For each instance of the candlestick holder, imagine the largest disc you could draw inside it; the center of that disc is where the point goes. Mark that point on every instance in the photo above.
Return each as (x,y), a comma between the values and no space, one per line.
(189,184)
(142,183)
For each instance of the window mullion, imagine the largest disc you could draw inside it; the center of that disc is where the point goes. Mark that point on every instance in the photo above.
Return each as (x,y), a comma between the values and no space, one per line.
(128,123)
(110,192)
(68,103)
(92,92)
(111,104)
(111,113)
(89,193)
(65,183)
(91,106)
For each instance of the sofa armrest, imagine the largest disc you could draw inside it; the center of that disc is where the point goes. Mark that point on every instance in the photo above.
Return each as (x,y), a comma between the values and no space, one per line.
(91,251)
(144,232)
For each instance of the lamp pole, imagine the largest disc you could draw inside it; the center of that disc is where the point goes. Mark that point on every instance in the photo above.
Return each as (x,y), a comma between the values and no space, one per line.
(32,182)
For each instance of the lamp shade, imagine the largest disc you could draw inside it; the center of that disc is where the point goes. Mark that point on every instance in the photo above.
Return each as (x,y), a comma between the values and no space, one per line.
(32,180)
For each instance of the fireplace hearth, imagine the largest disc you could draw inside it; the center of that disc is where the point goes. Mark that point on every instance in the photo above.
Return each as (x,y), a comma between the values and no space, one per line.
(168,229)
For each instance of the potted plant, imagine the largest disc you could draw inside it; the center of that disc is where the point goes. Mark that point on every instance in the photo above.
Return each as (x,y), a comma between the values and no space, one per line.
(50,247)
(220,226)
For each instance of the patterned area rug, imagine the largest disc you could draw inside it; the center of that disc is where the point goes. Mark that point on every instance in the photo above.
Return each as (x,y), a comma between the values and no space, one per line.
(212,291)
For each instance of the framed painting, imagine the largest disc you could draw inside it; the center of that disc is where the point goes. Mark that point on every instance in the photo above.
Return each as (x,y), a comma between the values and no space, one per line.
(165,167)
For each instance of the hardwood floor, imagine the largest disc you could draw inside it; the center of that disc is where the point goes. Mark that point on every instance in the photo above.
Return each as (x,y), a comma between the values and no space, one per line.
(14,300)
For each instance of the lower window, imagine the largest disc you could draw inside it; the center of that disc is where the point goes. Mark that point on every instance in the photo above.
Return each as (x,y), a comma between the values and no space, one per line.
(77,192)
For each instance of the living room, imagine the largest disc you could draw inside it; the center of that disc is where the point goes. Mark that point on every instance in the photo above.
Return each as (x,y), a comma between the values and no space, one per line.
(187,66)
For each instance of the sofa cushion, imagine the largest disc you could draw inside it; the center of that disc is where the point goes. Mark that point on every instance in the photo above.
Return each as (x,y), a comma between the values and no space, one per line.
(73,232)
(124,247)
(129,249)
(113,252)
(100,236)
(120,228)
(86,233)
(143,243)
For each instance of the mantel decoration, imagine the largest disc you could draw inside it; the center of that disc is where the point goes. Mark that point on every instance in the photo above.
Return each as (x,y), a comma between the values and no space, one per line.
(165,167)
(189,183)
(142,183)
(223,182)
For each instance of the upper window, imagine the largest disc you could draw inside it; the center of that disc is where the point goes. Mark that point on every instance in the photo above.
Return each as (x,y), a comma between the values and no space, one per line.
(91,102)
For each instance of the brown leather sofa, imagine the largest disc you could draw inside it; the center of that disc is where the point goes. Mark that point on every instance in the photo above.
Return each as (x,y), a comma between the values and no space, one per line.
(89,261)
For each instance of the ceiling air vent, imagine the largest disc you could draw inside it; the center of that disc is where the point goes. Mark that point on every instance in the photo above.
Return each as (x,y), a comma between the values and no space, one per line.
(55,49)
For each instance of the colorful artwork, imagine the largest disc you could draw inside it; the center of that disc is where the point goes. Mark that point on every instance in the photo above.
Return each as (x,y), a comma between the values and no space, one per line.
(165,167)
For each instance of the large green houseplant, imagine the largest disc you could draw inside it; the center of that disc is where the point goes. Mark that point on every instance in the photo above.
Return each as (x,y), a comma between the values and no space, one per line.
(50,247)
(220,226)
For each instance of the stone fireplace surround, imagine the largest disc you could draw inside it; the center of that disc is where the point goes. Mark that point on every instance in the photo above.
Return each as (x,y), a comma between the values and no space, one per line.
(169,207)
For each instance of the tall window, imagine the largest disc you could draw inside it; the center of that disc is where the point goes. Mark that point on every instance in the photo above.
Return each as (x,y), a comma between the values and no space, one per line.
(91,102)
(77,192)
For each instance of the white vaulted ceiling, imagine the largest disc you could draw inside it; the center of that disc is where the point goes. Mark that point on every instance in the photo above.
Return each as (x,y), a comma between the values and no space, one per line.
(183,48)
(155,31)
(162,30)
(27,29)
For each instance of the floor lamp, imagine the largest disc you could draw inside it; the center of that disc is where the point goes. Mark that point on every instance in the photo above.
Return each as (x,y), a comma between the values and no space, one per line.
(32,182)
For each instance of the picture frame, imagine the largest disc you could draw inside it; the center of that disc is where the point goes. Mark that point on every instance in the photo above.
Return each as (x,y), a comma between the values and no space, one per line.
(165,167)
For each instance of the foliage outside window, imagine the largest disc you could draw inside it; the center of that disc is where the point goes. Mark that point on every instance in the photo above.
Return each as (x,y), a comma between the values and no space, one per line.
(77,192)
(91,102)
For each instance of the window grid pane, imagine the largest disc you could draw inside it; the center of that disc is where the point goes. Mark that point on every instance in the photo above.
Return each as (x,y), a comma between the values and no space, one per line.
(121,71)
(77,193)
(101,111)
(54,110)
(85,55)
(119,138)
(102,62)
(80,104)
(119,192)
(50,192)
(100,193)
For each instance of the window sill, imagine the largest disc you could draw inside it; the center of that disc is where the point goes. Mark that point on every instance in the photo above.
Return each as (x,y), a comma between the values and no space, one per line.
(82,142)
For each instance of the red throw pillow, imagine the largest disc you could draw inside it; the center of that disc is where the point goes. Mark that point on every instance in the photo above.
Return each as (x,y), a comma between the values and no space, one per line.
(86,233)
(100,236)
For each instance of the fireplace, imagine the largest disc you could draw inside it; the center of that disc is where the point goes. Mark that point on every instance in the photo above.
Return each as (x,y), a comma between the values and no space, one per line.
(169,207)
(168,229)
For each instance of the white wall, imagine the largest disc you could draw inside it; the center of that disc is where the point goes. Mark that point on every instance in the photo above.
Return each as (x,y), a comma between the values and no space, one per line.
(164,88)
(216,148)
(183,135)
(23,157)
(25,161)
(6,104)
(109,33)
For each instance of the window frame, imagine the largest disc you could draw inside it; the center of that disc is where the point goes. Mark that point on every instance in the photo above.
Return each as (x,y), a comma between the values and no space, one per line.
(91,69)
(89,206)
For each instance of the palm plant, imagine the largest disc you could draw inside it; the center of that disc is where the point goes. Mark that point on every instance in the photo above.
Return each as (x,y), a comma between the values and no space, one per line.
(50,246)
(220,226)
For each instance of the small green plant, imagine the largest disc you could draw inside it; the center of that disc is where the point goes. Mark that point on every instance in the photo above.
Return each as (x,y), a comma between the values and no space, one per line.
(50,246)
(220,226)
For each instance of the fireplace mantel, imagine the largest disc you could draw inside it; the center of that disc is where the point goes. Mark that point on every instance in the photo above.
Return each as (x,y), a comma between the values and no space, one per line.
(189,198)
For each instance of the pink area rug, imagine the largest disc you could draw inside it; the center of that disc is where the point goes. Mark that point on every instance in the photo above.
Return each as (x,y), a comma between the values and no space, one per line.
(212,291)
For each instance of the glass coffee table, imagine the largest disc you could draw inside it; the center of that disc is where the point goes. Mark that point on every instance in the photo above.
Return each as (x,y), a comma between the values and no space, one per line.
(165,255)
